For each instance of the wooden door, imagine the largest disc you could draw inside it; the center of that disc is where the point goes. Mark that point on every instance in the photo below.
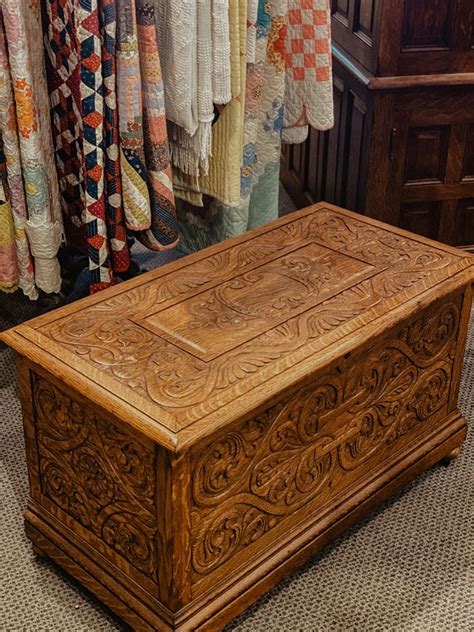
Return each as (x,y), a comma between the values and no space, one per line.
(430,188)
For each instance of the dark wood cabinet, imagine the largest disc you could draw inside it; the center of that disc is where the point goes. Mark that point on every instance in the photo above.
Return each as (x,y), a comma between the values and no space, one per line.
(402,148)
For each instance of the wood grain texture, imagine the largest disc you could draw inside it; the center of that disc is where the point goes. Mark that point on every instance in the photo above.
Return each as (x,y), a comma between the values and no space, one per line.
(195,433)
(272,469)
(428,24)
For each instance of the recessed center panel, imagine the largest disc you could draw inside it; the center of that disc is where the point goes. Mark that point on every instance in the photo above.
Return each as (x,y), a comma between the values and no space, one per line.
(221,319)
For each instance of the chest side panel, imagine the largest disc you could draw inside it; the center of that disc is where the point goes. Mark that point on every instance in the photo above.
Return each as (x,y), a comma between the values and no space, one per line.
(95,476)
(299,459)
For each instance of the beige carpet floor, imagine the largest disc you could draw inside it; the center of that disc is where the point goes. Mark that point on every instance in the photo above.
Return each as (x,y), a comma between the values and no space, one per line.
(407,567)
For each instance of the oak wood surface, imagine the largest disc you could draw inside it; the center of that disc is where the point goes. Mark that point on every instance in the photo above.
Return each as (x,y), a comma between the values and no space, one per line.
(192,435)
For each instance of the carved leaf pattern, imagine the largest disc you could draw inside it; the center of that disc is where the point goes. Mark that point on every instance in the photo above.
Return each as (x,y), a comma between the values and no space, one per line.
(190,388)
(248,480)
(100,475)
(225,311)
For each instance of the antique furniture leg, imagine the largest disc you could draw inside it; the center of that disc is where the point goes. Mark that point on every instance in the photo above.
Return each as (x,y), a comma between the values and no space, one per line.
(454,454)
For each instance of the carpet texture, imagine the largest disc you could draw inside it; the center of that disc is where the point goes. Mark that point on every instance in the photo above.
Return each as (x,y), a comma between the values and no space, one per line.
(407,567)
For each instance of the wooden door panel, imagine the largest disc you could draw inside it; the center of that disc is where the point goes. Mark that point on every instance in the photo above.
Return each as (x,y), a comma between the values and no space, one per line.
(434,164)
(426,37)
(356,29)
(365,17)
(422,219)
(428,24)
(357,116)
(427,154)
(340,10)
(421,178)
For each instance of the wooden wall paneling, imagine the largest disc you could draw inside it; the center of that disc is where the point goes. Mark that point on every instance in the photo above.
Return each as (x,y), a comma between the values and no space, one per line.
(428,160)
(447,221)
(338,145)
(364,19)
(317,164)
(464,28)
(299,161)
(333,166)
(314,171)
(294,173)
(435,62)
(340,10)
(437,36)
(426,37)
(432,192)
(353,139)
(439,105)
(334,139)
(427,151)
(404,133)
(457,150)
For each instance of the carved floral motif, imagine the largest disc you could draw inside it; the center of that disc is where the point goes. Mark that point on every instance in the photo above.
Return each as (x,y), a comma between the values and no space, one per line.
(97,473)
(248,480)
(224,310)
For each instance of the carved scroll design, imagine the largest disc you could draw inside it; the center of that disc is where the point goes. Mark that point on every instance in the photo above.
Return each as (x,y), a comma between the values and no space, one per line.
(248,480)
(184,384)
(224,310)
(100,475)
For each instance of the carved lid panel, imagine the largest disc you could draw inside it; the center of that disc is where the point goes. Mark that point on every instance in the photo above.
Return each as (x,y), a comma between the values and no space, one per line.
(190,347)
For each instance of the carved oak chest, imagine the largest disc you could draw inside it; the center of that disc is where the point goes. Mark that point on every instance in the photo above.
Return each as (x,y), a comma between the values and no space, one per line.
(197,432)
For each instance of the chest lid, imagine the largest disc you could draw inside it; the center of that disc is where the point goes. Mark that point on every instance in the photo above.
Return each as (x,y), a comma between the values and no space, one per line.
(187,348)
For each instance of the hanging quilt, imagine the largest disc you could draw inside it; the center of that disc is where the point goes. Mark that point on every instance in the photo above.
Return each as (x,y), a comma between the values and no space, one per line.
(25,128)
(221,178)
(132,149)
(282,88)
(308,94)
(109,125)
(163,231)
(260,154)
(13,193)
(116,232)
(8,258)
(63,74)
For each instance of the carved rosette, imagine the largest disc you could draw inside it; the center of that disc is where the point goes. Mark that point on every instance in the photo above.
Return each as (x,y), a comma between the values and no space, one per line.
(99,475)
(302,451)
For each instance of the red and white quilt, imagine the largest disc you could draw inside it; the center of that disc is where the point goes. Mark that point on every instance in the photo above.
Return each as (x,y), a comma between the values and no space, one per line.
(309,95)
